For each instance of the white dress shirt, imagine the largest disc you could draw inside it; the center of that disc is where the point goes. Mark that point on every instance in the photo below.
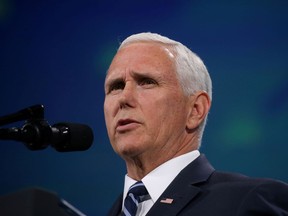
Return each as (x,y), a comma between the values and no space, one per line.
(159,179)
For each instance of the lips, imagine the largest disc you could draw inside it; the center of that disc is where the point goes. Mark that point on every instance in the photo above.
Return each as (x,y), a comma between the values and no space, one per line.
(126,124)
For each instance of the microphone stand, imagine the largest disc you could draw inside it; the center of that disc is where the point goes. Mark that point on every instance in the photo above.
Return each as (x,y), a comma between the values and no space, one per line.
(33,112)
(30,132)
(36,134)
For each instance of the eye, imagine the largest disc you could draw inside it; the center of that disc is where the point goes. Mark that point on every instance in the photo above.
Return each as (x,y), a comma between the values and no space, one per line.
(147,82)
(117,85)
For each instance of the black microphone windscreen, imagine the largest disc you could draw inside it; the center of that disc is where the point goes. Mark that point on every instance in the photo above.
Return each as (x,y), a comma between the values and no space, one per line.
(78,137)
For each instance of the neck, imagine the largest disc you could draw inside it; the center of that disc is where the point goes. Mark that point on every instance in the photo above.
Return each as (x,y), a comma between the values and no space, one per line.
(138,167)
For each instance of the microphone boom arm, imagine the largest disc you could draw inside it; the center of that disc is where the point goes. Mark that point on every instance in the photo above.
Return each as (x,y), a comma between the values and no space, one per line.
(33,112)
(37,134)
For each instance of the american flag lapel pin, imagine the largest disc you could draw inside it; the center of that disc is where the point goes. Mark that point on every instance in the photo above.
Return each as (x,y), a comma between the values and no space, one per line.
(167,200)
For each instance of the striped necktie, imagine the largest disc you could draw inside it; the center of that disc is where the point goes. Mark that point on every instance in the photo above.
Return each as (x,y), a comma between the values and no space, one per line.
(137,193)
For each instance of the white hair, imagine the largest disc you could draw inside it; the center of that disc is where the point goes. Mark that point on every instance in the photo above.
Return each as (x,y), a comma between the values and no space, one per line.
(191,72)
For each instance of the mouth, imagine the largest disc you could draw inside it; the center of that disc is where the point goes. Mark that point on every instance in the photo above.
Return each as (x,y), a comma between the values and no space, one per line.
(124,125)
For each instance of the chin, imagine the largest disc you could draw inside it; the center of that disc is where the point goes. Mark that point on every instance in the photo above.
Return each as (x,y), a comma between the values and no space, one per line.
(128,151)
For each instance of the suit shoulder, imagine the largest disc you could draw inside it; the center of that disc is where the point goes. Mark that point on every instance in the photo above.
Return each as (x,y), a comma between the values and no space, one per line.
(258,195)
(227,179)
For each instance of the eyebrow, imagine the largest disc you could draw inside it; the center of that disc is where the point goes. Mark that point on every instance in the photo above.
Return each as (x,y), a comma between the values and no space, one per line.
(136,75)
(153,75)
(110,82)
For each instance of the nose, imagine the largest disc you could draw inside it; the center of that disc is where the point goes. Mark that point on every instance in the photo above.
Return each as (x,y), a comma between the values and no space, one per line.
(128,96)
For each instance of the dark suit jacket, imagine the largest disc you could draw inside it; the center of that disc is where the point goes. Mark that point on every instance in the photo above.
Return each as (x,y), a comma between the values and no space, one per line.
(200,190)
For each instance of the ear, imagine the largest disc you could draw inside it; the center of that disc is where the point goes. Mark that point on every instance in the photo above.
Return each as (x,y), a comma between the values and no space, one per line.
(199,105)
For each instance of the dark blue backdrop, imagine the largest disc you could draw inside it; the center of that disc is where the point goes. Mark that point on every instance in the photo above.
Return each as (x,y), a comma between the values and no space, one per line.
(57,52)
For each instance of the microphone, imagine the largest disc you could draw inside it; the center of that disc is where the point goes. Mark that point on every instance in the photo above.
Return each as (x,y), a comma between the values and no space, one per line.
(37,134)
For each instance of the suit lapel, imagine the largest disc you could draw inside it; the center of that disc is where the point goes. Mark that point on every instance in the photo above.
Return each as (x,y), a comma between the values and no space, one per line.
(179,200)
(116,208)
(179,193)
(183,188)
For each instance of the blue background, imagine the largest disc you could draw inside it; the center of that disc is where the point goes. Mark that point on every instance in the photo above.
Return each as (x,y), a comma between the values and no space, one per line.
(56,53)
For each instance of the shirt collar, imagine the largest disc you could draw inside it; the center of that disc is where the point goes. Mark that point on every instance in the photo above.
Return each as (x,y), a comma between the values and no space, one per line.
(159,179)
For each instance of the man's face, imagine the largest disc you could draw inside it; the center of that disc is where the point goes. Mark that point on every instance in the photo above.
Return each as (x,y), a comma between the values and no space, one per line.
(145,109)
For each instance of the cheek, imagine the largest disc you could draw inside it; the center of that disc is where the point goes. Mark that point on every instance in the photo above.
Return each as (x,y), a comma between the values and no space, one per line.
(170,112)
(157,114)
(106,113)
(108,116)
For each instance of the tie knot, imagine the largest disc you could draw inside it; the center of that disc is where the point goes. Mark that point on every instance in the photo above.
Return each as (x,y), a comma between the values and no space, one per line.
(138,190)
(137,193)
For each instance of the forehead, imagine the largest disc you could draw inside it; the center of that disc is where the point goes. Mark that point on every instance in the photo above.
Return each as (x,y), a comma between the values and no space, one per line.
(142,57)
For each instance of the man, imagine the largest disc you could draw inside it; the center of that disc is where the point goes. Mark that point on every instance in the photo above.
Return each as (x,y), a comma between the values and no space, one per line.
(157,97)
